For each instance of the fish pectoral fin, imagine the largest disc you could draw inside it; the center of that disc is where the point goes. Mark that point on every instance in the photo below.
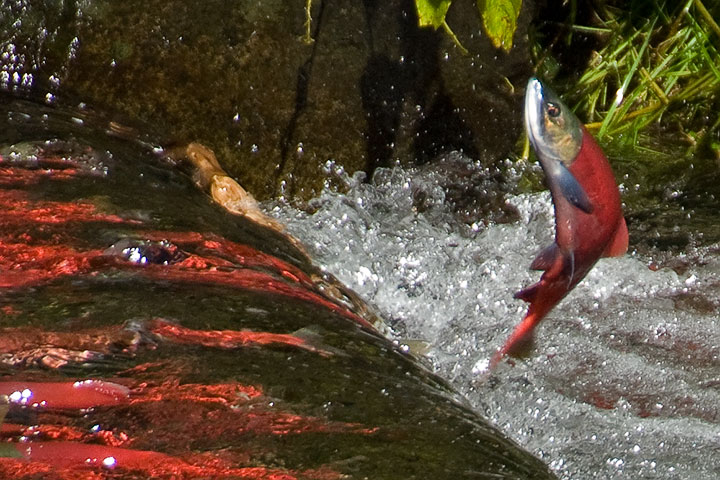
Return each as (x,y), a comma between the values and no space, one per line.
(618,244)
(571,189)
(545,258)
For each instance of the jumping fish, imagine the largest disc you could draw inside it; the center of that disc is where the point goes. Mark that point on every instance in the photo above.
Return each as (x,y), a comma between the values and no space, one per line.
(589,223)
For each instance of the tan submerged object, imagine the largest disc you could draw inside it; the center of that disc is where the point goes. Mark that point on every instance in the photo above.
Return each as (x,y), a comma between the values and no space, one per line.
(223,189)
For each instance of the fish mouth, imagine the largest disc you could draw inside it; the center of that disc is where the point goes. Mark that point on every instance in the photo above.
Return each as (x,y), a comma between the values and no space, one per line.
(535,100)
(533,110)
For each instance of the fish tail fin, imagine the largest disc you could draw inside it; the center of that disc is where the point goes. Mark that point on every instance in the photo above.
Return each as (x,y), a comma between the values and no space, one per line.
(519,340)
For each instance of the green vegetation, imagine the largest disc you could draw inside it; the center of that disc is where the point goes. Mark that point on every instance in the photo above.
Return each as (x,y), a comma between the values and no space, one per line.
(654,71)
(499,18)
(658,67)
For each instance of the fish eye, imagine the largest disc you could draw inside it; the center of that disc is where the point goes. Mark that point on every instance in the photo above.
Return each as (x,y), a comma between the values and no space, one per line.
(553,110)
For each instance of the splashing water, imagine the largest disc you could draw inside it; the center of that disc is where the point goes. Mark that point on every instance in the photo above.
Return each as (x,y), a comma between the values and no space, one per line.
(624,381)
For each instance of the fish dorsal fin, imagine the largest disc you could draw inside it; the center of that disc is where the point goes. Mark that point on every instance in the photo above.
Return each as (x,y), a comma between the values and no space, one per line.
(571,188)
(618,245)
(545,258)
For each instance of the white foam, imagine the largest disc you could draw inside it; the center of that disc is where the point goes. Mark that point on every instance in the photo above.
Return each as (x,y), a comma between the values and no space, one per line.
(625,378)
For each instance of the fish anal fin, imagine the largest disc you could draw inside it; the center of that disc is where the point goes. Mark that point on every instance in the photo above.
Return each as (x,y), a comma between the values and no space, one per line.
(618,245)
(546,258)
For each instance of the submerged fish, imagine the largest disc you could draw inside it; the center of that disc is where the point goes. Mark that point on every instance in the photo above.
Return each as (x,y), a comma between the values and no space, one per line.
(589,223)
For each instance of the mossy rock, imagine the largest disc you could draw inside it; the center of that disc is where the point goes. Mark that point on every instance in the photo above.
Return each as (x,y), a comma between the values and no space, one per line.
(372,88)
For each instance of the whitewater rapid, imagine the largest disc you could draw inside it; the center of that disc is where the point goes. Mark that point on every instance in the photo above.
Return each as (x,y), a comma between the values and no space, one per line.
(624,380)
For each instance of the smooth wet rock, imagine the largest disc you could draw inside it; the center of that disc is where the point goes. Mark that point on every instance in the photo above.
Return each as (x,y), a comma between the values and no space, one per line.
(148,332)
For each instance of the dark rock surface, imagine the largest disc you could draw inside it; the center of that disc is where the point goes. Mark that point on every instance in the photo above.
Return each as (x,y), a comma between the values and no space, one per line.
(370,90)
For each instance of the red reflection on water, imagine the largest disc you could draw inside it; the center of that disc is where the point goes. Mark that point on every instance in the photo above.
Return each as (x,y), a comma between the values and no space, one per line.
(169,413)
(15,340)
(214,248)
(198,271)
(62,459)
(27,261)
(9,310)
(44,432)
(226,338)
(221,393)
(40,242)
(223,411)
(20,177)
(82,394)
(85,394)
(223,261)
(19,210)
(25,265)
(29,346)
(181,415)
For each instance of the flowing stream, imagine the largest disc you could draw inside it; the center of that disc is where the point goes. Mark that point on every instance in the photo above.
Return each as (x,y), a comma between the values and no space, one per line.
(624,379)
(147,332)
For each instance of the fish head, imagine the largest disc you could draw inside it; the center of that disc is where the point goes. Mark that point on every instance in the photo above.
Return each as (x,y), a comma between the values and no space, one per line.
(554,130)
(556,134)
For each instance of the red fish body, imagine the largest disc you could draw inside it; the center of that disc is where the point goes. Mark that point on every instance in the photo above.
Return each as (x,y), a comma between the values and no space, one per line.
(589,223)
